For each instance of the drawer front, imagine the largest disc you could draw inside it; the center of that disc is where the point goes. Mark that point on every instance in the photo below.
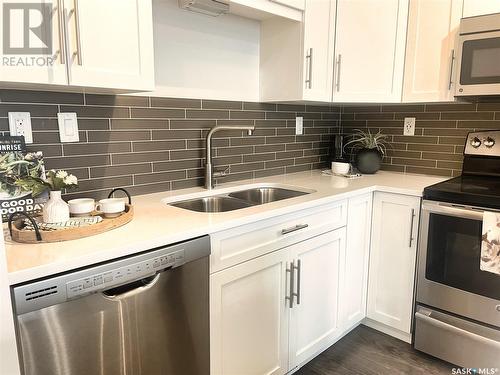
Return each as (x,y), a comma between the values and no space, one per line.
(237,245)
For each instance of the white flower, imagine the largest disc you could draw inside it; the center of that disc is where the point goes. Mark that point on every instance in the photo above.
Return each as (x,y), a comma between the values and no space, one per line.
(61,174)
(70,180)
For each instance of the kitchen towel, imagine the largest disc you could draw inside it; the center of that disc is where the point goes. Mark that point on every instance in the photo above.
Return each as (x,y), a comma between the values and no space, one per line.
(490,245)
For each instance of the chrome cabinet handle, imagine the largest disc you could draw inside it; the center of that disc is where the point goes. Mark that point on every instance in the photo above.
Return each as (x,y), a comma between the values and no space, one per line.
(78,35)
(309,58)
(299,271)
(339,64)
(450,82)
(294,228)
(411,226)
(292,281)
(66,42)
(78,52)
(60,18)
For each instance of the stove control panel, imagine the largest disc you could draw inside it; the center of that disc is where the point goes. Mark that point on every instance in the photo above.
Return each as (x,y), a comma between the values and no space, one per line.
(485,143)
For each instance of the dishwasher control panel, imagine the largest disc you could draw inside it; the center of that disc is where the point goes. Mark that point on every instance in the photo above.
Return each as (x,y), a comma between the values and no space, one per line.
(123,275)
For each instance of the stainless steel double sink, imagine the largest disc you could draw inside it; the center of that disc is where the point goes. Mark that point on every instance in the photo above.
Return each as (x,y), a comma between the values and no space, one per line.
(239,199)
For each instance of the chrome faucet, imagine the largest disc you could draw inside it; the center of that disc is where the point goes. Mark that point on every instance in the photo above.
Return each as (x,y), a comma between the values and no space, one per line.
(209,173)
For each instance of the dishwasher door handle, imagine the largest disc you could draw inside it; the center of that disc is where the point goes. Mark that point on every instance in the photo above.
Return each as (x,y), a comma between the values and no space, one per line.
(131,289)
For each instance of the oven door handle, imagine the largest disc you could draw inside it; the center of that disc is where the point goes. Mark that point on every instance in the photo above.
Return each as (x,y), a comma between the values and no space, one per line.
(454,210)
(434,321)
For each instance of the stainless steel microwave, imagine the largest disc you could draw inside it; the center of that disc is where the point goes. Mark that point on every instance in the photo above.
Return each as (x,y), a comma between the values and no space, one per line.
(478,56)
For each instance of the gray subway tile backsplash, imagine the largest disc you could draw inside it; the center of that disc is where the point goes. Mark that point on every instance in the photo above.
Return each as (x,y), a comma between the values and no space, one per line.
(441,130)
(150,144)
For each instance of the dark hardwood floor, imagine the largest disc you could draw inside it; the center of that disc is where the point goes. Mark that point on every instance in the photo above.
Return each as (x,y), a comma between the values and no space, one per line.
(365,351)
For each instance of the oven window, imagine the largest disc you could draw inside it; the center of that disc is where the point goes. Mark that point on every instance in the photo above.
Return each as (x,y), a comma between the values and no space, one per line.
(453,256)
(480,61)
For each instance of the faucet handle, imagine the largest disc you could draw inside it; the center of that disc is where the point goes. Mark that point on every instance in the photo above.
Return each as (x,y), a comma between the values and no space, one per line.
(223,173)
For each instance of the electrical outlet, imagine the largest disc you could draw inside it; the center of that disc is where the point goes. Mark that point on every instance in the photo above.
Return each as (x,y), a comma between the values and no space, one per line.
(409,126)
(299,125)
(68,127)
(20,124)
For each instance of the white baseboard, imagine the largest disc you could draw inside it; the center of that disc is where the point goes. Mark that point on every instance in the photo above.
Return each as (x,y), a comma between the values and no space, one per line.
(403,336)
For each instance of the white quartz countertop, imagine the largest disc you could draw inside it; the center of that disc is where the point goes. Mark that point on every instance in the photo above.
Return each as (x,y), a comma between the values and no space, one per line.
(156,224)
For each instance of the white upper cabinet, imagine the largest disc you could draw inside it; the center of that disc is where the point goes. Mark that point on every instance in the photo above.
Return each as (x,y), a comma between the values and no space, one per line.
(297,4)
(318,50)
(392,261)
(296,59)
(370,50)
(26,65)
(265,9)
(110,43)
(95,44)
(480,7)
(432,30)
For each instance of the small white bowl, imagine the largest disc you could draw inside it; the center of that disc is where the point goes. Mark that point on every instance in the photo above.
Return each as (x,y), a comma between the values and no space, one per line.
(81,206)
(339,167)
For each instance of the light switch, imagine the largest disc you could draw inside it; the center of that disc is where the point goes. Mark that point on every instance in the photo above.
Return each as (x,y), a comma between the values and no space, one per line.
(20,124)
(68,127)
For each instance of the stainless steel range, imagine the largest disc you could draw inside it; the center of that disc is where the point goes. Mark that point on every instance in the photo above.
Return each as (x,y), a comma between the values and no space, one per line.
(457,315)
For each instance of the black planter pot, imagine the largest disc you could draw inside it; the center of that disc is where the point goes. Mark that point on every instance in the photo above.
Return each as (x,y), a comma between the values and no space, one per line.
(368,160)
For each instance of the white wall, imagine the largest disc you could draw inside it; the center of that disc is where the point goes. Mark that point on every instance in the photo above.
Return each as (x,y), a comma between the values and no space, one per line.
(8,352)
(205,57)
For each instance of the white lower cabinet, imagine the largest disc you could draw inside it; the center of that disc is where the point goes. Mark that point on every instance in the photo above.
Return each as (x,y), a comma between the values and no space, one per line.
(249,317)
(392,262)
(359,216)
(256,329)
(315,315)
(274,312)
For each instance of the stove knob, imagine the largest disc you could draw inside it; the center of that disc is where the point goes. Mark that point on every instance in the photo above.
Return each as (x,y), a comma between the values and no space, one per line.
(475,142)
(489,142)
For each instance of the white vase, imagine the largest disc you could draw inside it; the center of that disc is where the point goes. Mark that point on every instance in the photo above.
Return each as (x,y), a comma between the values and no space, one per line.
(55,210)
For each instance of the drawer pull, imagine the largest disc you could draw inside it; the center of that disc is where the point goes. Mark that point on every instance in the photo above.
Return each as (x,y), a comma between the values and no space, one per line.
(294,228)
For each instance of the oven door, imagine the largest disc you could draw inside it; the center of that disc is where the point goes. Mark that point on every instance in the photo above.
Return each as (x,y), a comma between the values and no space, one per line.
(449,277)
(478,64)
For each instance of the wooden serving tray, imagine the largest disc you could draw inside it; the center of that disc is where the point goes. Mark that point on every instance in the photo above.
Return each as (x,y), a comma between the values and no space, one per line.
(18,234)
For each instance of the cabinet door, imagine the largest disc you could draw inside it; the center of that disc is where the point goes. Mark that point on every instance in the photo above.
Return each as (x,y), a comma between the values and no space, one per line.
(480,7)
(249,317)
(432,29)
(111,43)
(38,56)
(392,260)
(354,288)
(370,48)
(318,49)
(314,317)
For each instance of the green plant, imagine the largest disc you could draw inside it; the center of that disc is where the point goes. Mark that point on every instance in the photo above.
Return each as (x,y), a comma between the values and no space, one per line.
(365,139)
(56,180)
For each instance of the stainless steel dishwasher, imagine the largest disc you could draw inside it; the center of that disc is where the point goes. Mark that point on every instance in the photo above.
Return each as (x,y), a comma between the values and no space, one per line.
(145,314)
